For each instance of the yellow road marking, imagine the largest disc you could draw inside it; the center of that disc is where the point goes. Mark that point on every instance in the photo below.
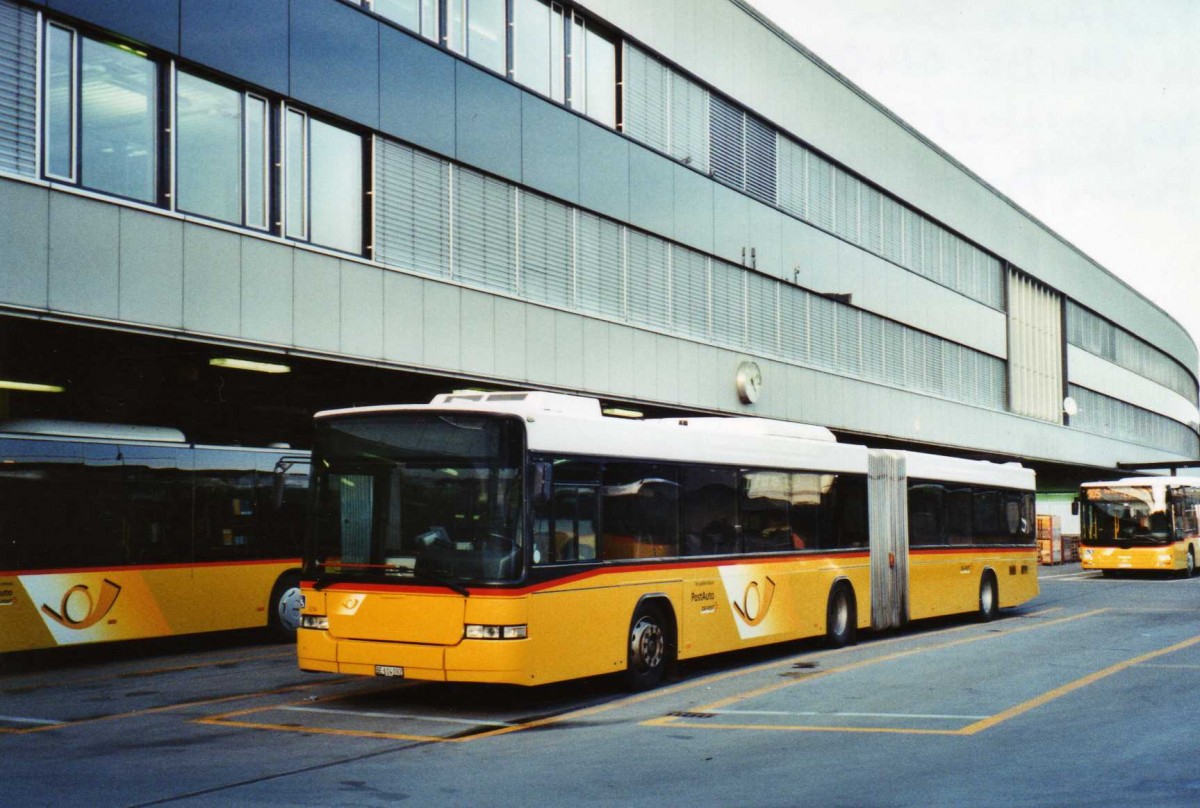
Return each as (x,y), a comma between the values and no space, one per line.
(231,719)
(1025,707)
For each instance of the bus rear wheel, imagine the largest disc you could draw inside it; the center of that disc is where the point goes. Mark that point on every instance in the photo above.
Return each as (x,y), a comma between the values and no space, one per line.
(1190,566)
(841,617)
(284,607)
(648,648)
(989,598)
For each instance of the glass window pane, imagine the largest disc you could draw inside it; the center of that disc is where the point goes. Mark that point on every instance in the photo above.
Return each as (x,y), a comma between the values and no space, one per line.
(60,102)
(429,19)
(577,57)
(405,12)
(337,188)
(208,148)
(456,19)
(485,32)
(119,105)
(601,104)
(558,62)
(257,162)
(296,171)
(531,44)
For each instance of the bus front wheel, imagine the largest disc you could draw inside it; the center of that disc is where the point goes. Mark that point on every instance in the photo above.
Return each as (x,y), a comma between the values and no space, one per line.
(841,618)
(647,651)
(989,598)
(284,607)
(1190,568)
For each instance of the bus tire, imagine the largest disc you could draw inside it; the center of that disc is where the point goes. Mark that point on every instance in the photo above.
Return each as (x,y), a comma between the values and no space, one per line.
(989,598)
(841,617)
(647,652)
(1189,568)
(284,607)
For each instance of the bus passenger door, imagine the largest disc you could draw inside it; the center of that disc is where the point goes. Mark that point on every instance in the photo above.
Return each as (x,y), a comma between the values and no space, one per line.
(887,502)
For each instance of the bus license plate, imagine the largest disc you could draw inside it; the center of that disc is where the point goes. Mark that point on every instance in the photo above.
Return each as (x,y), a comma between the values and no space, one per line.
(389,670)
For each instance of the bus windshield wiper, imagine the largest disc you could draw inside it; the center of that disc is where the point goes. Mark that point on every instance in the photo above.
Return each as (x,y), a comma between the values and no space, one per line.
(431,578)
(323,581)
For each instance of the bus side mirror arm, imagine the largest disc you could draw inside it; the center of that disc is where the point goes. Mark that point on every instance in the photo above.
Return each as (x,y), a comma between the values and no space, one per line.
(1075,507)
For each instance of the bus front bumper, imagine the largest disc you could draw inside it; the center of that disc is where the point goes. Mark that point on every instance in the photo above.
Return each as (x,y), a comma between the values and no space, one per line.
(1132,558)
(484,661)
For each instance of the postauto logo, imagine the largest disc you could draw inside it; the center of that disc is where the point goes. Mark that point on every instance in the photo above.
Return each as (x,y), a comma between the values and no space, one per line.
(79,609)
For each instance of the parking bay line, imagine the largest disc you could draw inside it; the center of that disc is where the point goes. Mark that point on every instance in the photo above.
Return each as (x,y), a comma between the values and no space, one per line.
(409,717)
(717,706)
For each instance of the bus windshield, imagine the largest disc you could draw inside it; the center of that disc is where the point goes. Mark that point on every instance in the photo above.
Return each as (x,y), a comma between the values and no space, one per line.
(1124,515)
(427,496)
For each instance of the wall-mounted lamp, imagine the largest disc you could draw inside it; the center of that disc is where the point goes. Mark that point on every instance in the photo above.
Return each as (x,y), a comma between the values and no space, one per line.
(248,364)
(30,387)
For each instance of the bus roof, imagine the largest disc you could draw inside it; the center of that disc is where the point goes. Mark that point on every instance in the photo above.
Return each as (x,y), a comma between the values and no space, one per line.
(559,423)
(87,429)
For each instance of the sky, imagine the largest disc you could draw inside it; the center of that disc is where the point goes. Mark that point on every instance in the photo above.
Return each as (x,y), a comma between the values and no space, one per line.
(1086,113)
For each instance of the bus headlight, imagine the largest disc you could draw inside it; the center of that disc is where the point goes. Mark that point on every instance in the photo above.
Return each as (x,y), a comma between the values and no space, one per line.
(1165,558)
(477,632)
(317,621)
(1087,553)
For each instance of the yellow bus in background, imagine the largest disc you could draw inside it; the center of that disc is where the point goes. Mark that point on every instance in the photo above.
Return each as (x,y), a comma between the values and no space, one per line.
(526,538)
(119,532)
(1140,523)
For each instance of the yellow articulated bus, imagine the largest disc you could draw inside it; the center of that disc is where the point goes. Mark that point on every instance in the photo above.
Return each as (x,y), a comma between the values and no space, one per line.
(526,538)
(1140,523)
(117,532)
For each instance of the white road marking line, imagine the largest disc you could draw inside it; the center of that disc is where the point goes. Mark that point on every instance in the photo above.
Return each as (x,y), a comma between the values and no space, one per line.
(429,718)
(19,720)
(852,715)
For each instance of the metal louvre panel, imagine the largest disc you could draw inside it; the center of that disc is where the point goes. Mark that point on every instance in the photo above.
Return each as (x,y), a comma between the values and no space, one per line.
(846,214)
(948,255)
(893,353)
(871,340)
(821,330)
(847,335)
(689,122)
(914,243)
(484,231)
(793,323)
(599,266)
(18,89)
(870,218)
(689,292)
(891,226)
(931,251)
(647,99)
(1103,415)
(546,246)
(762,314)
(728,304)
(793,177)
(412,209)
(648,280)
(820,191)
(727,142)
(760,160)
(952,370)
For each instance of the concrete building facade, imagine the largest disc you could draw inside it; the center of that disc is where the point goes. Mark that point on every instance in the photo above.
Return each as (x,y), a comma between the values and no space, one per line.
(672,206)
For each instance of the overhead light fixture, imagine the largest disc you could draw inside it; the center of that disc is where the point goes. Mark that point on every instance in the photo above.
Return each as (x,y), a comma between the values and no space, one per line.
(248,364)
(620,412)
(30,387)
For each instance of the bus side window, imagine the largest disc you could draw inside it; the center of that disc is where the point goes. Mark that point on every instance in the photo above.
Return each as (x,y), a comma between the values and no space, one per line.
(564,512)
(926,511)
(849,513)
(640,511)
(708,510)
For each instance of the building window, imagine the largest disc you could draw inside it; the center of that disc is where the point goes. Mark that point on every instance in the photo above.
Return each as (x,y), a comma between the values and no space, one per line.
(221,152)
(593,73)
(323,178)
(101,118)
(476,29)
(418,16)
(539,42)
